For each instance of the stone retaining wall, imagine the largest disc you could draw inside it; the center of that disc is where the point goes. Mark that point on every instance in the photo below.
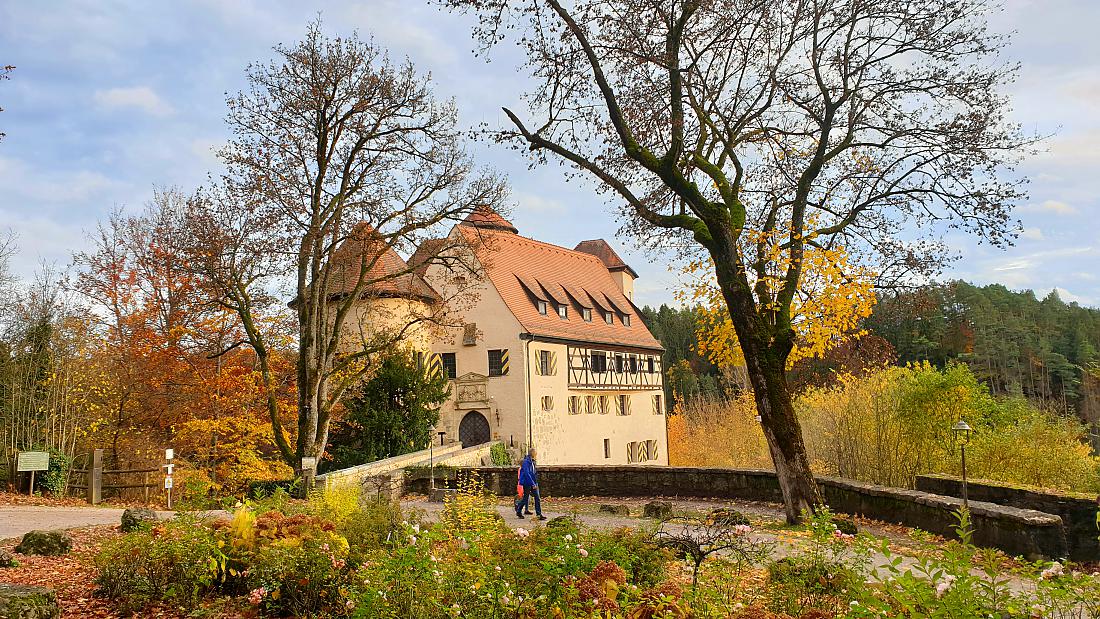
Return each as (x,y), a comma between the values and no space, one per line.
(1014,530)
(1078,511)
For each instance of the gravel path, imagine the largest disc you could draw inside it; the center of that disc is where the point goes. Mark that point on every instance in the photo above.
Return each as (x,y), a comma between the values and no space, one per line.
(17,520)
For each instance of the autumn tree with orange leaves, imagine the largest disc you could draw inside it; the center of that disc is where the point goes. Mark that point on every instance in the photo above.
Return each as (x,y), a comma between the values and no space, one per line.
(174,374)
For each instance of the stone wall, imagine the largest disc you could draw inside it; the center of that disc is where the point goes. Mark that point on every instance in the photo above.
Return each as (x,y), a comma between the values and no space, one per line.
(1078,511)
(1014,530)
(478,455)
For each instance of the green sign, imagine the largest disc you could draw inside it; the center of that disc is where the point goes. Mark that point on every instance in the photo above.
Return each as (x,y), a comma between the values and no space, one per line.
(33,461)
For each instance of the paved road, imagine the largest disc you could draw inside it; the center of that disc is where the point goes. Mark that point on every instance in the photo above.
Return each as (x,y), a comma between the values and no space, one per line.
(18,519)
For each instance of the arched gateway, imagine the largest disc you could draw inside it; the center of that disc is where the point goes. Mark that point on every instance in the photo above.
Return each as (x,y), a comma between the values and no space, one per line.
(473,429)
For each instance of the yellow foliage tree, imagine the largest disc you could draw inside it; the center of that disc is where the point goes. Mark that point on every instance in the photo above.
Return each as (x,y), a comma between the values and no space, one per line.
(834,295)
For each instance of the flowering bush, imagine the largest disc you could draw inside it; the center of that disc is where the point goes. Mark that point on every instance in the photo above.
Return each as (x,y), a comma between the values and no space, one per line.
(295,562)
(176,561)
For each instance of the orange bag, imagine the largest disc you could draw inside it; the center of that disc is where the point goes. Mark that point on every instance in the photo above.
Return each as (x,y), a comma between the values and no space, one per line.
(519,490)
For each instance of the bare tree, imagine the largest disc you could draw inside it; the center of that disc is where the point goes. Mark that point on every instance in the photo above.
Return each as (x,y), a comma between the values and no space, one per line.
(332,144)
(751,129)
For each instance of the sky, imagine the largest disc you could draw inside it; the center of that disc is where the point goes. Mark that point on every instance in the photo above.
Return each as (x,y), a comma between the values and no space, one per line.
(111,98)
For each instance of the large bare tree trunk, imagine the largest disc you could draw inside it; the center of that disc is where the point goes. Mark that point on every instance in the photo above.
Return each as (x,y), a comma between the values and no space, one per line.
(784,435)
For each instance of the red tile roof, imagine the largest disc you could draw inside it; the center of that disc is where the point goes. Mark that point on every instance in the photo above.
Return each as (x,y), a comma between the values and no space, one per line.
(388,276)
(485,217)
(602,250)
(422,257)
(515,263)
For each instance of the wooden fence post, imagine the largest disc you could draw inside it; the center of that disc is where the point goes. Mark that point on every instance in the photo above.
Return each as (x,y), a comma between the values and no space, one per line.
(95,477)
(145,481)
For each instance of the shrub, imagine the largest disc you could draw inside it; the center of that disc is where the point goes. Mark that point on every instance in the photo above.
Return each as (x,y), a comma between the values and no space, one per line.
(263,488)
(500,455)
(634,551)
(371,526)
(890,425)
(176,561)
(300,580)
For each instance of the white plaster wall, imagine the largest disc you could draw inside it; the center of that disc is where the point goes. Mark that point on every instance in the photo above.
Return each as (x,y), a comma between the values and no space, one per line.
(497,329)
(564,438)
(385,316)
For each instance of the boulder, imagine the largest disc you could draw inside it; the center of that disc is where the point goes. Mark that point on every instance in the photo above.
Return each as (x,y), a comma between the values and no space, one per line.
(135,517)
(657,509)
(727,517)
(846,526)
(46,543)
(7,560)
(27,602)
(617,510)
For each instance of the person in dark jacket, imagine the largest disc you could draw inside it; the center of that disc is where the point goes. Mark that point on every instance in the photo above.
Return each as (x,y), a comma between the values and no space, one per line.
(529,479)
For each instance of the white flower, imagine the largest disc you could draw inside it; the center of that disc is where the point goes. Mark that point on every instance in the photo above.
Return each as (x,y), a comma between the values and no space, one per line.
(412,540)
(497,568)
(942,588)
(521,532)
(568,537)
(742,529)
(504,599)
(1055,569)
(584,553)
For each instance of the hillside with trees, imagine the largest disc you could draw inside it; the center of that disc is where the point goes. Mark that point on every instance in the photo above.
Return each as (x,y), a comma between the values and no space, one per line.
(1018,344)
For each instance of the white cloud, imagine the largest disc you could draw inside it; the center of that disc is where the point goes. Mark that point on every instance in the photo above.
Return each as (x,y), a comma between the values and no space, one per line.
(1014,266)
(30,185)
(139,97)
(532,203)
(1068,296)
(1034,234)
(1051,206)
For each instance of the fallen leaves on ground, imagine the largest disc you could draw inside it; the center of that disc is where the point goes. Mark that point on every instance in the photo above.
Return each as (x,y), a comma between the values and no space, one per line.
(72,577)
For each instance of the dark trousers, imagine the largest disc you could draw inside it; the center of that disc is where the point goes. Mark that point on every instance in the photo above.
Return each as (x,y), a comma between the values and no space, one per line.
(528,492)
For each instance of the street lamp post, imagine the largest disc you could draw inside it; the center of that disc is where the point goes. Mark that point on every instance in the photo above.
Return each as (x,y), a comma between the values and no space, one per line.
(431,459)
(962,431)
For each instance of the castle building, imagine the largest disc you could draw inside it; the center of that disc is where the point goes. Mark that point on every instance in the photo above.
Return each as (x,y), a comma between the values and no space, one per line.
(551,351)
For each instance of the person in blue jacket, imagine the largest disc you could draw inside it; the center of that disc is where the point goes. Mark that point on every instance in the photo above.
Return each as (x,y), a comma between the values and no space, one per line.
(529,479)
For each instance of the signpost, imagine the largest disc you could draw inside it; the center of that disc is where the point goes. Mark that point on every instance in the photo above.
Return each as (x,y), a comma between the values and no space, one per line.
(31,461)
(309,473)
(169,454)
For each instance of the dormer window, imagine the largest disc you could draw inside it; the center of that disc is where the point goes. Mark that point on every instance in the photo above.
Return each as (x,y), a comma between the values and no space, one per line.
(586,313)
(542,306)
(609,318)
(626,320)
(563,311)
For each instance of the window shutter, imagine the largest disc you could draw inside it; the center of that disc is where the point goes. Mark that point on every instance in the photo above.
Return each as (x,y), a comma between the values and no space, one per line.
(538,363)
(652,449)
(435,366)
(504,362)
(553,363)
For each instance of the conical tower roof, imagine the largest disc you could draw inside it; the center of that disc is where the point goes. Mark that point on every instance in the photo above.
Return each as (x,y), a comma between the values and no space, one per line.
(485,217)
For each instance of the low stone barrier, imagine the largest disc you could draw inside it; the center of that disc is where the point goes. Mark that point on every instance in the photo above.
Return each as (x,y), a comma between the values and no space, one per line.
(1077,511)
(1014,530)
(387,476)
(356,474)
